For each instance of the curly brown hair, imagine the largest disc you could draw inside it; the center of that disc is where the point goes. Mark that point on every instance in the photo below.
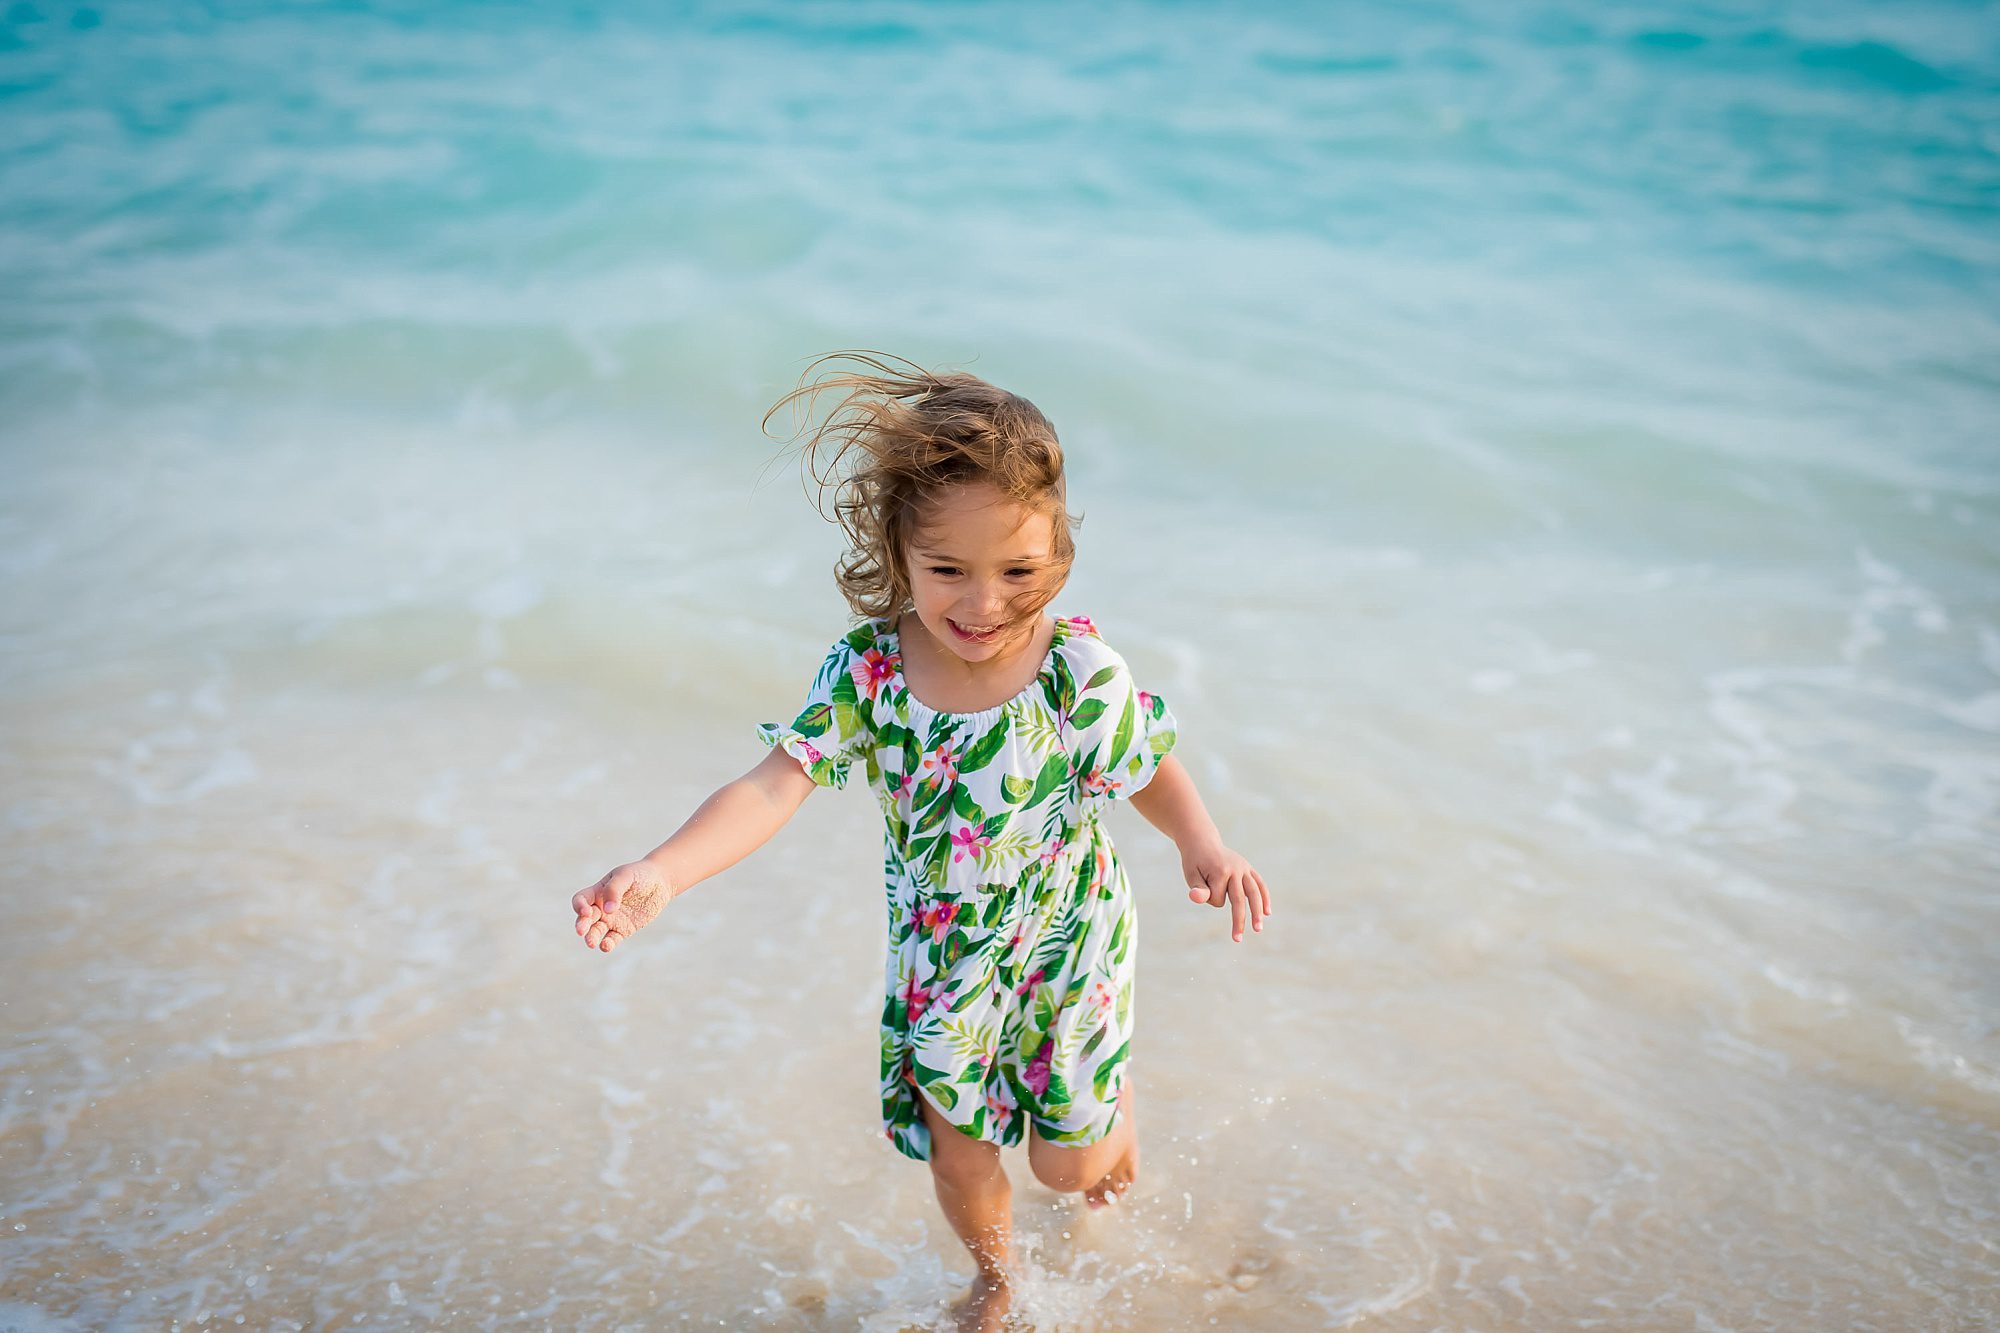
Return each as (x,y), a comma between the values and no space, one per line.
(914,433)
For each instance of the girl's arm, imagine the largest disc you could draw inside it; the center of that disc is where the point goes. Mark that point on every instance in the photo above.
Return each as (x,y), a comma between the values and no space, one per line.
(1214,874)
(733,822)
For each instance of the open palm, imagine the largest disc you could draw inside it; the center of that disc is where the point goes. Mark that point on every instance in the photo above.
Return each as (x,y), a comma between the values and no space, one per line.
(619,904)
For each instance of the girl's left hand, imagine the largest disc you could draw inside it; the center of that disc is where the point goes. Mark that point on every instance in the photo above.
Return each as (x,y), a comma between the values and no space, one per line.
(1215,875)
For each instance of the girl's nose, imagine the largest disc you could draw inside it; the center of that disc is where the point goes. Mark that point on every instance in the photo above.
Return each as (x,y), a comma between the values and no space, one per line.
(986,597)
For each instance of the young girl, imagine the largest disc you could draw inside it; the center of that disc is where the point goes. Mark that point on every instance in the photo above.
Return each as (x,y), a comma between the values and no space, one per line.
(995,736)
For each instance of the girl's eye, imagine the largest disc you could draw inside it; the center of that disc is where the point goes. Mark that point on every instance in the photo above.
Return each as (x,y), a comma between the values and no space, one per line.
(943,569)
(1019,573)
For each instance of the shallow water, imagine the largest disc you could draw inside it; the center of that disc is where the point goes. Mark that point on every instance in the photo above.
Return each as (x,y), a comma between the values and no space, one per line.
(1547,460)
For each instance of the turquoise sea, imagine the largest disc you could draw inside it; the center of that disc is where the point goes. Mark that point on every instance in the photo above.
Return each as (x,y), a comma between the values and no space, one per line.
(1547,454)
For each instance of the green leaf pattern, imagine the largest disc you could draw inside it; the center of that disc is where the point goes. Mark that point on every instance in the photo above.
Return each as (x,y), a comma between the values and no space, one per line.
(1008,979)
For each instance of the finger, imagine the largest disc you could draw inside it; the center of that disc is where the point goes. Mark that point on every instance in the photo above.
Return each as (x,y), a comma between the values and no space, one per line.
(1197,889)
(611,940)
(1262,891)
(1253,900)
(598,930)
(1237,910)
(611,892)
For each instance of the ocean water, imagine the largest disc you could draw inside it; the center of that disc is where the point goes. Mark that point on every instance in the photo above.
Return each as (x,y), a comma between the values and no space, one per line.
(1546,454)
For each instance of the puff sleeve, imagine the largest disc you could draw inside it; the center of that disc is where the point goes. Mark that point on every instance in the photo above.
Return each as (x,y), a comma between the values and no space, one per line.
(833,727)
(1117,732)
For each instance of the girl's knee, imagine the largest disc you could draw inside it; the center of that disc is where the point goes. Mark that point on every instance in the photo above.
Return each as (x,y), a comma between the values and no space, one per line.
(956,1158)
(968,1168)
(1067,1170)
(1065,1174)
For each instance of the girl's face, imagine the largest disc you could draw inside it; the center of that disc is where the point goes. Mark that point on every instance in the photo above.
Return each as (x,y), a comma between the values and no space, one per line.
(976,560)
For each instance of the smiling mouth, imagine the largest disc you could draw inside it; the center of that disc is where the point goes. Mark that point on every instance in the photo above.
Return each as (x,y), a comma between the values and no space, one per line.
(969,633)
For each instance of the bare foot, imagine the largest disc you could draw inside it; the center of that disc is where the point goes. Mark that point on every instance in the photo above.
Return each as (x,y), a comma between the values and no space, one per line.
(1120,1177)
(984,1308)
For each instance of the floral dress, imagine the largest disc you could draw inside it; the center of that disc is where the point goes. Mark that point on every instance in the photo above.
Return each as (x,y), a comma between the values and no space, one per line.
(1011,924)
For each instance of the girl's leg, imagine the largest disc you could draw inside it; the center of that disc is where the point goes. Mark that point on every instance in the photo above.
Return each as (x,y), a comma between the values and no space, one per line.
(978,1201)
(1103,1171)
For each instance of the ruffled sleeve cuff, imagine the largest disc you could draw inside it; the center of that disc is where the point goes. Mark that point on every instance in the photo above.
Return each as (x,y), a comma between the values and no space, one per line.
(823,769)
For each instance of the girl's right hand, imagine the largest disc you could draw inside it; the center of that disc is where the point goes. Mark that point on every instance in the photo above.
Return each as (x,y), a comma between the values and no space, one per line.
(617,905)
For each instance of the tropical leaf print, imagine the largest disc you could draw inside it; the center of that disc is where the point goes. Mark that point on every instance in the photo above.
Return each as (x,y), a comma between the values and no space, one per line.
(1009,968)
(968,1040)
(934,814)
(1115,949)
(1101,1080)
(1037,728)
(1059,688)
(1011,847)
(980,753)
(938,1083)
(1121,739)
(1096,1040)
(845,714)
(1054,773)
(1087,712)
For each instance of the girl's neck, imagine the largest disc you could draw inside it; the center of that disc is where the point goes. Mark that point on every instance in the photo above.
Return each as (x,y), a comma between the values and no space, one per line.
(944,682)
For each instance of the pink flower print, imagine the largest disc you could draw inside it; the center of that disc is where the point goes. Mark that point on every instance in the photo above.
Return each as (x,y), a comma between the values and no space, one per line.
(942,763)
(1036,1076)
(812,751)
(874,670)
(1145,702)
(1082,623)
(1101,997)
(1002,1112)
(1055,849)
(903,786)
(1096,784)
(917,997)
(1030,983)
(969,841)
(937,918)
